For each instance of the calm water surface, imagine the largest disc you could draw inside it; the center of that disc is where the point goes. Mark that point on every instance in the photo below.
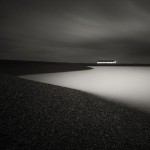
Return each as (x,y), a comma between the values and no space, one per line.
(130,85)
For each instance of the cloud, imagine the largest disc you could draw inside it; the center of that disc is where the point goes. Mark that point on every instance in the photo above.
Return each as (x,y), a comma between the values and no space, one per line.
(62,30)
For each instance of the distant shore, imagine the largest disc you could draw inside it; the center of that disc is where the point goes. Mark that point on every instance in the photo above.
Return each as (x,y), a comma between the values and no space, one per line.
(43,116)
(19,67)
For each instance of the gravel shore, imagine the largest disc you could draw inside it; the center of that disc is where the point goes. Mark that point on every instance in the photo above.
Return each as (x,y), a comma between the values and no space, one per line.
(41,116)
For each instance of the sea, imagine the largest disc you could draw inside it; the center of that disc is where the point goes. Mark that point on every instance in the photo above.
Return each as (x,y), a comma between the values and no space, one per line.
(128,85)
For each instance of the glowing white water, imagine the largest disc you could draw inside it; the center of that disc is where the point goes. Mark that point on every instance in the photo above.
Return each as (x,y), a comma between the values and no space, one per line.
(129,85)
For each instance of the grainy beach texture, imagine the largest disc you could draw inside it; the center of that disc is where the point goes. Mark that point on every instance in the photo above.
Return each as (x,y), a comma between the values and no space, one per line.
(41,116)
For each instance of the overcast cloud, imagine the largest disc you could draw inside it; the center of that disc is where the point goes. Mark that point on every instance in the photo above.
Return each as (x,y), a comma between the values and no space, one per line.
(75,30)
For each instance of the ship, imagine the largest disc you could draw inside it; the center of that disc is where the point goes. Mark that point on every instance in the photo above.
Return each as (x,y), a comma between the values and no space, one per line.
(106,62)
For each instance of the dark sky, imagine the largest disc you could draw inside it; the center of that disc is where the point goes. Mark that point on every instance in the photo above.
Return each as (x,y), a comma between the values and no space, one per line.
(75,30)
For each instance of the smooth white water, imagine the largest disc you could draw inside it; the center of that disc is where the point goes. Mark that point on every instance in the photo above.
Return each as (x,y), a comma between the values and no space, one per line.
(130,85)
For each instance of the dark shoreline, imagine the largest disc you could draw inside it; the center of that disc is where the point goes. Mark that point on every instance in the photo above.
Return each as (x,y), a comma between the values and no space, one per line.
(35,115)
(19,67)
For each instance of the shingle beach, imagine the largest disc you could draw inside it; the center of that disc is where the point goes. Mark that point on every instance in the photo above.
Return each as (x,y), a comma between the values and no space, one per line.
(41,116)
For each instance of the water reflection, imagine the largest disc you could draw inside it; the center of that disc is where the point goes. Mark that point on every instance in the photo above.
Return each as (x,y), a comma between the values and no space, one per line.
(129,85)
